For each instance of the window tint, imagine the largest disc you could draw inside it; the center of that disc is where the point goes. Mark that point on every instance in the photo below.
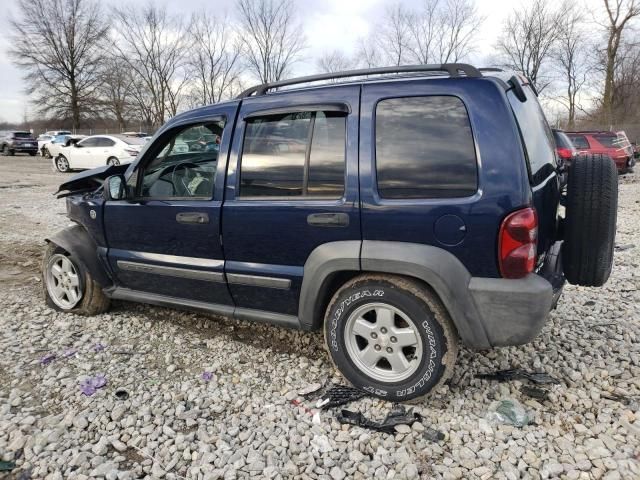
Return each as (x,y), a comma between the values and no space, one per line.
(579,141)
(89,142)
(424,148)
(21,135)
(185,165)
(105,142)
(294,155)
(536,135)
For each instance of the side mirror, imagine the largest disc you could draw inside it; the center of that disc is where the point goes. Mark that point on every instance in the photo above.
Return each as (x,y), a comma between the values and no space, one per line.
(115,188)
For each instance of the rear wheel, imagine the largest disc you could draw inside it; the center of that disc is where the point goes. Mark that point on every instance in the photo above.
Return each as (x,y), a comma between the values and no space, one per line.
(62,164)
(68,287)
(113,161)
(592,206)
(390,336)
(32,154)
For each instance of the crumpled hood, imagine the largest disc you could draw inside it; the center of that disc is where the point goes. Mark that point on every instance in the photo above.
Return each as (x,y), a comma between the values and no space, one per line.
(89,180)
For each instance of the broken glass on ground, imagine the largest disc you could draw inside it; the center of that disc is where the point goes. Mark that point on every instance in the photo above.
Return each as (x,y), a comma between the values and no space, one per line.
(510,412)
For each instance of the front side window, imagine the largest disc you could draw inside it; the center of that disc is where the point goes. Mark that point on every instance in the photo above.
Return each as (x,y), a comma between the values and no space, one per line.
(88,143)
(294,155)
(424,148)
(105,142)
(185,163)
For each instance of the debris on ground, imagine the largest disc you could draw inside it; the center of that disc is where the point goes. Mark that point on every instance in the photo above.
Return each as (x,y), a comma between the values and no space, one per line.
(535,392)
(509,411)
(519,374)
(623,247)
(398,417)
(47,359)
(339,395)
(98,347)
(89,385)
(207,376)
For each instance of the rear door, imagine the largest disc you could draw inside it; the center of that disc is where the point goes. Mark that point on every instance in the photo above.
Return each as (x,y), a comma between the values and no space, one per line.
(292,186)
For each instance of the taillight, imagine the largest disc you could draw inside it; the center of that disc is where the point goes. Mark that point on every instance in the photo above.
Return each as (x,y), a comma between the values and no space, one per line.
(132,153)
(565,153)
(517,243)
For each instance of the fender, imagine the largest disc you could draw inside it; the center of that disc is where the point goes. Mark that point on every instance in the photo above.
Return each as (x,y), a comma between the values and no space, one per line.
(442,271)
(323,262)
(79,243)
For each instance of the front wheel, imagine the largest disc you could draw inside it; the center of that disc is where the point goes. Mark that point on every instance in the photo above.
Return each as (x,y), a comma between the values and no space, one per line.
(62,164)
(68,287)
(390,336)
(7,151)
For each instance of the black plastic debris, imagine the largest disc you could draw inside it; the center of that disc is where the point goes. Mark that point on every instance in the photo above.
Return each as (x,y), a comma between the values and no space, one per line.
(623,247)
(6,466)
(535,392)
(397,416)
(540,378)
(339,395)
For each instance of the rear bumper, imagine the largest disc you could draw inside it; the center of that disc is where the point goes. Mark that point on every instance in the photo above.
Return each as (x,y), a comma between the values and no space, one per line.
(511,312)
(22,149)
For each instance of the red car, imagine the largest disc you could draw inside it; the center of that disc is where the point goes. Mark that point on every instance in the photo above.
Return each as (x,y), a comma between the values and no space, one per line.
(614,144)
(564,147)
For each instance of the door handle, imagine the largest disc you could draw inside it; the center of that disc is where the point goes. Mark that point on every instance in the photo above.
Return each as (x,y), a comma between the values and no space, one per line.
(328,220)
(192,217)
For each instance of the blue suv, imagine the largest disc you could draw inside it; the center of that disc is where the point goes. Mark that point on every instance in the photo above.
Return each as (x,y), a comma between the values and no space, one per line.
(402,210)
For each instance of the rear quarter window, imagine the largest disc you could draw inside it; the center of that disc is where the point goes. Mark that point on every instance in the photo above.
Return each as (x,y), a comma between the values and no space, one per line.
(536,135)
(579,141)
(424,148)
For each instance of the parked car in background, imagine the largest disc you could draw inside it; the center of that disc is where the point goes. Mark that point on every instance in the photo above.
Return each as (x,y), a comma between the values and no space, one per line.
(43,141)
(97,151)
(614,144)
(360,208)
(564,147)
(135,134)
(15,141)
(54,148)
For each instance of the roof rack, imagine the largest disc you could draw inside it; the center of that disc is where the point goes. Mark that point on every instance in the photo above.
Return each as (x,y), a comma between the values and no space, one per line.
(453,69)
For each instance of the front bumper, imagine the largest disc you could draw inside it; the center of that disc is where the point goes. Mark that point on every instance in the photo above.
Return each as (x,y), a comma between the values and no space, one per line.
(24,149)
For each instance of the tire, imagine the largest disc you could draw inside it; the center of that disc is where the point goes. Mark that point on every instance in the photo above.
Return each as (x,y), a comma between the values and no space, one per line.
(113,161)
(45,152)
(89,300)
(62,164)
(590,225)
(32,154)
(409,310)
(7,151)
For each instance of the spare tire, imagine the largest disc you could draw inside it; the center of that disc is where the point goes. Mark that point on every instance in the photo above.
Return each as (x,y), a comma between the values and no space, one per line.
(590,224)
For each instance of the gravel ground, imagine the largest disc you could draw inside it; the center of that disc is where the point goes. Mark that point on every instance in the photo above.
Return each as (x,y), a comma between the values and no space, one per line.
(241,423)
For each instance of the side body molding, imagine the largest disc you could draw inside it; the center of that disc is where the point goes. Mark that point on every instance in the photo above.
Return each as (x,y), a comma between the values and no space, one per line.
(325,261)
(79,243)
(441,270)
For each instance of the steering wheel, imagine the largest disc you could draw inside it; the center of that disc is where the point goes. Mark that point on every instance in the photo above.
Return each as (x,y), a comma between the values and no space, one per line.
(173,169)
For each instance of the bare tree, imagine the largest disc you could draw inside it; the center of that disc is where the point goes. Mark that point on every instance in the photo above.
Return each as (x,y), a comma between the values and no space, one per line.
(215,60)
(442,31)
(154,46)
(334,61)
(528,39)
(619,14)
(272,37)
(115,88)
(572,55)
(368,53)
(392,36)
(57,44)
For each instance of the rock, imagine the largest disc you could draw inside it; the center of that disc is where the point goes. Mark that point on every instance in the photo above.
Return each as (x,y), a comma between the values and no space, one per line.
(403,429)
(337,474)
(101,448)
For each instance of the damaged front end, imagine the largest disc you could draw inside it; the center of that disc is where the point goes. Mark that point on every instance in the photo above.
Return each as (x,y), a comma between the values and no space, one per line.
(89,180)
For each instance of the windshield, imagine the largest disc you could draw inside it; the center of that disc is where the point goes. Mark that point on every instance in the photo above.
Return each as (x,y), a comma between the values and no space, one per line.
(21,135)
(612,141)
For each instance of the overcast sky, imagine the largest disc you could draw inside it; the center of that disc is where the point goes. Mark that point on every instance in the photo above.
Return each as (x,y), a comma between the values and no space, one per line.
(328,25)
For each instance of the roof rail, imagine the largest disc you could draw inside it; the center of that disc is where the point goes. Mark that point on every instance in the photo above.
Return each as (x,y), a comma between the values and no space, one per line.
(453,69)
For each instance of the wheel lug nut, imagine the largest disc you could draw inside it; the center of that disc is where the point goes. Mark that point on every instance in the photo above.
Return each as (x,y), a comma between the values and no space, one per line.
(383,330)
(389,350)
(377,347)
(393,339)
(374,335)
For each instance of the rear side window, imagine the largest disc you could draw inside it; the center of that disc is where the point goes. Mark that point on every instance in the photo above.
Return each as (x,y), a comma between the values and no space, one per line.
(424,148)
(536,135)
(105,142)
(579,141)
(299,154)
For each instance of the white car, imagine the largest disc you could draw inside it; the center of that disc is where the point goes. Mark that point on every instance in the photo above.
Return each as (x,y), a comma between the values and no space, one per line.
(45,139)
(96,151)
(57,143)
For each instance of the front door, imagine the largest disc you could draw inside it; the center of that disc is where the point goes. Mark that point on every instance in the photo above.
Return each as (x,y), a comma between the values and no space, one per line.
(292,186)
(81,155)
(166,241)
